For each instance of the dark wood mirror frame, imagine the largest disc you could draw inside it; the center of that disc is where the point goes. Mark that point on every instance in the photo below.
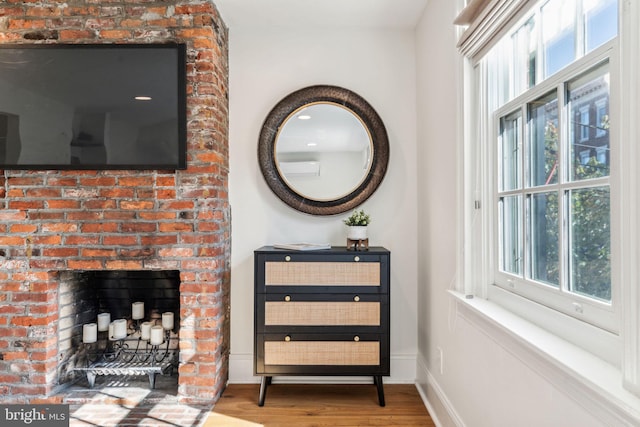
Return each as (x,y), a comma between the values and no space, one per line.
(317,94)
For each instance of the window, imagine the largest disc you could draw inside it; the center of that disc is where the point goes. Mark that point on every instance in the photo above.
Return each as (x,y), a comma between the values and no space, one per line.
(509,236)
(552,189)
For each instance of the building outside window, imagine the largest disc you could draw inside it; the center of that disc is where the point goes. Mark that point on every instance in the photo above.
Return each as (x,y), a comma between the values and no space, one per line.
(583,123)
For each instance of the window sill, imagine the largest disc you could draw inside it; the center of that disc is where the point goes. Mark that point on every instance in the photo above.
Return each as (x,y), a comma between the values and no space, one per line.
(594,383)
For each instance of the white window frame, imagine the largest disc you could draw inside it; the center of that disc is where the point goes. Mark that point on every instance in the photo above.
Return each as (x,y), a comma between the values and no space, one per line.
(590,310)
(619,353)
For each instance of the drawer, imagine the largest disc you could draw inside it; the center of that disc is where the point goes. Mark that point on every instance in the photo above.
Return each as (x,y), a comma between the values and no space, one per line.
(326,313)
(322,353)
(321,313)
(277,273)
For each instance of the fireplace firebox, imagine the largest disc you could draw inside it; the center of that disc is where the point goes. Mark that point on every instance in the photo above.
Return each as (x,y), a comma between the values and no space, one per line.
(118,323)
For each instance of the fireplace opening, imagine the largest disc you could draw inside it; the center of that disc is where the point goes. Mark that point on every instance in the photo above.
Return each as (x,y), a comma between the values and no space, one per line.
(118,327)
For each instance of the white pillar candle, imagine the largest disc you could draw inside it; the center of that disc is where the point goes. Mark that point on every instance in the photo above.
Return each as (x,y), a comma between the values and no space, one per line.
(120,329)
(145,330)
(103,322)
(167,320)
(112,327)
(137,310)
(89,333)
(157,333)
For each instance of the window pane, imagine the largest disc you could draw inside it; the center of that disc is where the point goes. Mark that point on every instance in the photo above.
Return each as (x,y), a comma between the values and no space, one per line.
(589,131)
(498,86)
(510,151)
(558,34)
(524,45)
(600,22)
(544,238)
(543,145)
(590,242)
(511,242)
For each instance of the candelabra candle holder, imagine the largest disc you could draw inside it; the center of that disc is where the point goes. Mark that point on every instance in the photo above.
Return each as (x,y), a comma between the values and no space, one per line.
(136,353)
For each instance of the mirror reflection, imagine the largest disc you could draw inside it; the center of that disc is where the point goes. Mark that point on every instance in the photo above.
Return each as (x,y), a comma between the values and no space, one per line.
(323,151)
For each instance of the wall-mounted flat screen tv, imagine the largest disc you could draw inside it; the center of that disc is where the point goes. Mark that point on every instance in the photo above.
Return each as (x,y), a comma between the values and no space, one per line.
(98,106)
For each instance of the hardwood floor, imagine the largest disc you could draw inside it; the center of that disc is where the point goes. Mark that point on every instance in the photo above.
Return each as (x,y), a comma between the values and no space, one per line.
(296,405)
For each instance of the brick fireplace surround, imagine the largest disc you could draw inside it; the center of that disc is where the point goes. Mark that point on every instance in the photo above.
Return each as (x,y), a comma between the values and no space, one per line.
(60,221)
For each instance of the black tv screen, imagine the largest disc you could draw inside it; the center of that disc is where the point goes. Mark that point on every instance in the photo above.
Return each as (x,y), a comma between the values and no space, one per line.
(100,106)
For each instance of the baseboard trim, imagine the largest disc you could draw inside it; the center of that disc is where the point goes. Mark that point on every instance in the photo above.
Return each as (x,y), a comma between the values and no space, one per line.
(439,406)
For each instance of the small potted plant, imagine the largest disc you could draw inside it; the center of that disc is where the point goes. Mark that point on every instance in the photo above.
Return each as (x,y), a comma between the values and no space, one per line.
(358,222)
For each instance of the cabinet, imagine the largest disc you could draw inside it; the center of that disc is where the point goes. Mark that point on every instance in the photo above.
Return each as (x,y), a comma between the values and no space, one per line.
(323,312)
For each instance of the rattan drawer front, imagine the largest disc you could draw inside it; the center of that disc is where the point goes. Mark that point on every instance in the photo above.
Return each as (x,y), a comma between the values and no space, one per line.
(313,313)
(322,273)
(329,353)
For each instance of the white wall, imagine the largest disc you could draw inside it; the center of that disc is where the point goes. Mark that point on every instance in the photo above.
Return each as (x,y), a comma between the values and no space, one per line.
(267,64)
(482,383)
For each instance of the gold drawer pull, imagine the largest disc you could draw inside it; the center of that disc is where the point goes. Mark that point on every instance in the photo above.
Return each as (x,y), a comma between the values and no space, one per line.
(287,298)
(356,258)
(356,298)
(287,258)
(287,338)
(356,338)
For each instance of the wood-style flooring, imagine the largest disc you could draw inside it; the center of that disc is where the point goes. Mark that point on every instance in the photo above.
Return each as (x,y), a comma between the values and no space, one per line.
(318,405)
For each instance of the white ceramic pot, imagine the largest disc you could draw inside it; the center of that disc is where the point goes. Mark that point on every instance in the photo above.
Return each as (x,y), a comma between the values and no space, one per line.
(357,232)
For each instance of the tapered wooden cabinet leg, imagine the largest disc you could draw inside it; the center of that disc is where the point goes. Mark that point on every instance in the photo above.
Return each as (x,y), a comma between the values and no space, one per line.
(378,382)
(266,381)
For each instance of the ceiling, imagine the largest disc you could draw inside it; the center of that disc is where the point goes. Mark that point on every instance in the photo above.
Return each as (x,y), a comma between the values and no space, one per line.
(321,13)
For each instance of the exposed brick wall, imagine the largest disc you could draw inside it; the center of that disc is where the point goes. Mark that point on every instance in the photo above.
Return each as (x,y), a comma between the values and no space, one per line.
(52,221)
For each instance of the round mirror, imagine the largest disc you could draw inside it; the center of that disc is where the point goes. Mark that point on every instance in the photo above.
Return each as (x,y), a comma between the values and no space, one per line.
(323,150)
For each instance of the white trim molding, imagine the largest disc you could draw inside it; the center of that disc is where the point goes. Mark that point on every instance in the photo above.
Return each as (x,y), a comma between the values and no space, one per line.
(629,184)
(440,408)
